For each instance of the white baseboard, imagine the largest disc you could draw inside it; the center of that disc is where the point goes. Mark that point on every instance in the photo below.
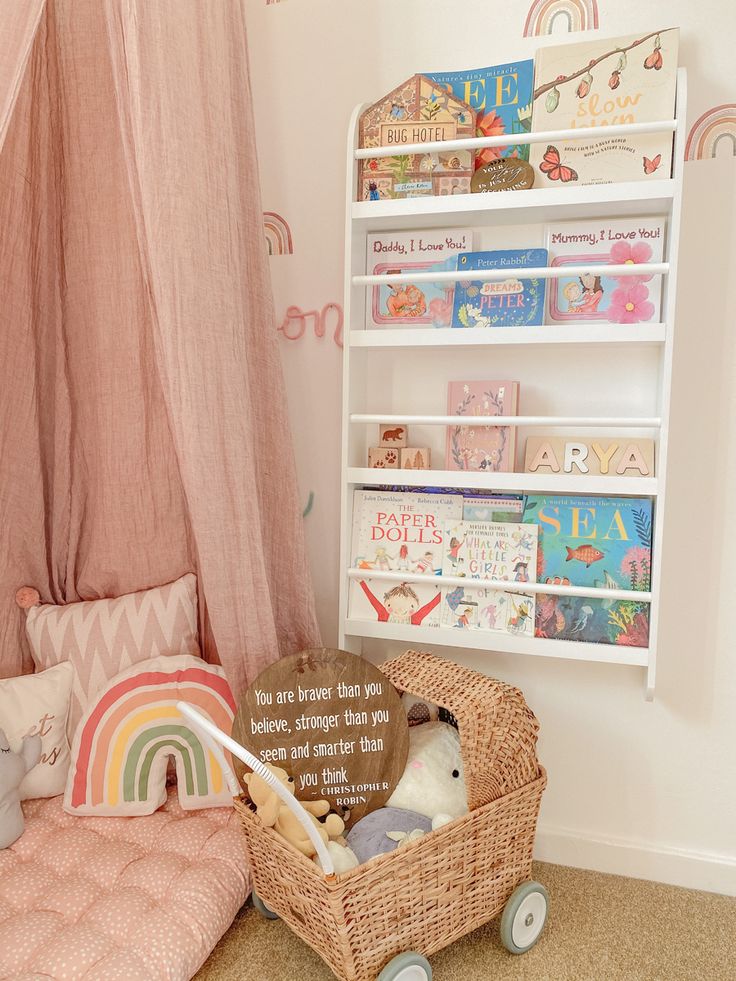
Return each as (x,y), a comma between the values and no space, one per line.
(637,859)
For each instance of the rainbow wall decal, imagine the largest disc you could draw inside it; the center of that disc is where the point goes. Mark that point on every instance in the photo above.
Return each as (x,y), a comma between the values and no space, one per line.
(278,234)
(124,740)
(715,128)
(580,15)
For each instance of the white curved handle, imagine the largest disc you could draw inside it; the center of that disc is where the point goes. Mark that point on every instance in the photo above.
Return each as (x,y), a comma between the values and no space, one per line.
(212,745)
(217,736)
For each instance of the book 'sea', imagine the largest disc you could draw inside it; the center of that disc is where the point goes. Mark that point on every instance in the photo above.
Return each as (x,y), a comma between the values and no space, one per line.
(603,542)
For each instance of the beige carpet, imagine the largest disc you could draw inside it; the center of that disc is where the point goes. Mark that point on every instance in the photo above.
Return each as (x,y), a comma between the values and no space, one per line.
(600,928)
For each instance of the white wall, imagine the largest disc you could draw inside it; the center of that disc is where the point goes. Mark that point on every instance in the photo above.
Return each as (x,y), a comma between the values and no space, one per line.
(636,788)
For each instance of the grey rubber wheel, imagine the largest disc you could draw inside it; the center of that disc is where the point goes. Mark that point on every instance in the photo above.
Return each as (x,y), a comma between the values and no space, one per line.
(407,967)
(524,916)
(262,908)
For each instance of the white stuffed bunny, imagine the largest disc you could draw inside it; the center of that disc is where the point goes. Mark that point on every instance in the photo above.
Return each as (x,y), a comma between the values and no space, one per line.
(13,767)
(433,783)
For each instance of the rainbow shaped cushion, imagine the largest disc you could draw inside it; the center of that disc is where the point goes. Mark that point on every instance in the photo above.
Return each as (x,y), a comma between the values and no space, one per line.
(124,740)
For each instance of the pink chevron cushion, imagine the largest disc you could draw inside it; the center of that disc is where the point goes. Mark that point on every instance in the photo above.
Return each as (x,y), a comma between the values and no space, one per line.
(103,637)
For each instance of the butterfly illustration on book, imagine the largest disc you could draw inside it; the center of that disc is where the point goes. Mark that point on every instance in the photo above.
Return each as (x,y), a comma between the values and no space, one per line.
(651,165)
(553,167)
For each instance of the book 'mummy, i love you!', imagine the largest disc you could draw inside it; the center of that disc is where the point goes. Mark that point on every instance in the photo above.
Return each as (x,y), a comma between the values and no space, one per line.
(615,299)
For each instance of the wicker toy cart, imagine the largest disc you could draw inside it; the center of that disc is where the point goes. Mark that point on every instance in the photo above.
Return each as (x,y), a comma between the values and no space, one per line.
(381,919)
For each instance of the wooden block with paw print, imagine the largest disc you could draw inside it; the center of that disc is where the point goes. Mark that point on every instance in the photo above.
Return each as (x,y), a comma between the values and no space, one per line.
(415,459)
(383,456)
(390,435)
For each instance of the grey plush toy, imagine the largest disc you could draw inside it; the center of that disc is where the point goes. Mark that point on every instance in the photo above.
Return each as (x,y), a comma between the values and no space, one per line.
(13,767)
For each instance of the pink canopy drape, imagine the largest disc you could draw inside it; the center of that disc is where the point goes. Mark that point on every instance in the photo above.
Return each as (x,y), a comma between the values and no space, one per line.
(143,427)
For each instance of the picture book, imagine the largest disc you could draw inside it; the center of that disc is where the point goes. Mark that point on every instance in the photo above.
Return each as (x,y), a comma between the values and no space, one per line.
(502,98)
(419,111)
(402,533)
(619,241)
(413,304)
(605,82)
(605,542)
(512,302)
(489,550)
(494,507)
(490,448)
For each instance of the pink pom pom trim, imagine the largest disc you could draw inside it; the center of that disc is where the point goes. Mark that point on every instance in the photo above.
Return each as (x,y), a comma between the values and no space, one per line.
(26,597)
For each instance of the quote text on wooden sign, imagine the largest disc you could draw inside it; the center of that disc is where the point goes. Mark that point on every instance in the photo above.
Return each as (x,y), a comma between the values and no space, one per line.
(334,722)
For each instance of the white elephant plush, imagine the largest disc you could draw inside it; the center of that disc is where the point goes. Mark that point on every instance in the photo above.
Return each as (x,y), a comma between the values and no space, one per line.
(13,767)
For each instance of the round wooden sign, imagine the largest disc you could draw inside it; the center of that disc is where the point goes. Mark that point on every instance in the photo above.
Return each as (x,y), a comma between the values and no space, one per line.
(504,174)
(334,722)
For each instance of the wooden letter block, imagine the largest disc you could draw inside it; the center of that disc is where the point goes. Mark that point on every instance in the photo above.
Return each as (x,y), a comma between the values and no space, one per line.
(415,459)
(602,456)
(392,435)
(383,456)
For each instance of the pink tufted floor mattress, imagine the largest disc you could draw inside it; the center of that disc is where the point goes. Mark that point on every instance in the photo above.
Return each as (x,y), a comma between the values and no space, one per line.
(118,899)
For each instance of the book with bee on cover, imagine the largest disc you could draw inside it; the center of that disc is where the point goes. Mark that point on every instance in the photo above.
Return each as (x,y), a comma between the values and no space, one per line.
(603,542)
(474,447)
(512,302)
(505,551)
(502,97)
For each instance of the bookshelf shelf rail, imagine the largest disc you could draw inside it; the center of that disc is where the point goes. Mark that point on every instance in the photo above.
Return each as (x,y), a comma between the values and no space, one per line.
(529,272)
(634,596)
(519,139)
(602,422)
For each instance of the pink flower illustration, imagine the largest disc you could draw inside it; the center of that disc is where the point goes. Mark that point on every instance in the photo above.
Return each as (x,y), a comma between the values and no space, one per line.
(441,312)
(630,305)
(625,254)
(636,566)
(490,125)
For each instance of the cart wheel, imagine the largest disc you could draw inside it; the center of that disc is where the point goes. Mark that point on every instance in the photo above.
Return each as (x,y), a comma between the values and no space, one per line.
(407,967)
(262,908)
(524,917)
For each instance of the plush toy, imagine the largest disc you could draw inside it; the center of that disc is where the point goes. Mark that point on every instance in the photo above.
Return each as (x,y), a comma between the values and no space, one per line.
(419,710)
(433,783)
(430,794)
(385,829)
(275,814)
(13,767)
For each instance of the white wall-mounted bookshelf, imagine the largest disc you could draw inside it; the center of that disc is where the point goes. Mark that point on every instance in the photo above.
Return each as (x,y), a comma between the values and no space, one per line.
(580,377)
